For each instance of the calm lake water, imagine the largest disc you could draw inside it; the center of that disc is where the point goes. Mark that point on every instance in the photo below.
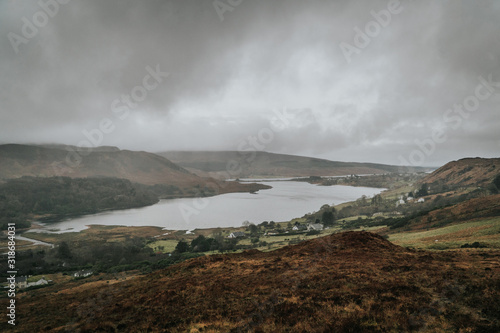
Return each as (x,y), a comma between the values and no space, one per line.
(286,200)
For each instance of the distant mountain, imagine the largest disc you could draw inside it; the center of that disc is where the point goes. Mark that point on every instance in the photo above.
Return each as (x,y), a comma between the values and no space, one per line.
(465,173)
(235,164)
(80,149)
(137,166)
(140,167)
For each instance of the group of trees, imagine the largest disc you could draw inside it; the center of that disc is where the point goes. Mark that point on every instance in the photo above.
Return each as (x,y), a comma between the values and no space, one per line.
(24,197)
(100,256)
(256,229)
(329,216)
(131,253)
(495,185)
(381,181)
(423,191)
(204,244)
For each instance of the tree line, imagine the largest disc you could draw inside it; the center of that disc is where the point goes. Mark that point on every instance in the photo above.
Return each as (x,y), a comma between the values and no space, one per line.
(24,198)
(204,244)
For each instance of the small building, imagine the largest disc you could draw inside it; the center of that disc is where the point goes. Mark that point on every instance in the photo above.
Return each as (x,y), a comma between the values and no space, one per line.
(40,282)
(21,282)
(83,273)
(421,200)
(299,227)
(314,227)
(237,234)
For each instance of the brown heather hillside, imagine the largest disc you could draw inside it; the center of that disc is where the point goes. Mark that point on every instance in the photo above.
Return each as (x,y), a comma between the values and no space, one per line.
(465,172)
(347,282)
(139,167)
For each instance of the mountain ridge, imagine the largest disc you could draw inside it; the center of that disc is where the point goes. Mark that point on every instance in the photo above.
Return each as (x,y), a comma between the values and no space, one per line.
(265,164)
(18,160)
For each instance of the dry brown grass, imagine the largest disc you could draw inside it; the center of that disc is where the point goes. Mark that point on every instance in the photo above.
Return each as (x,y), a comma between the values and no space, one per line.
(347,282)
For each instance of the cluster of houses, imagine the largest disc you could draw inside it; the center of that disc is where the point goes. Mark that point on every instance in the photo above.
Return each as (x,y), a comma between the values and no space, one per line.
(401,201)
(82,273)
(22,282)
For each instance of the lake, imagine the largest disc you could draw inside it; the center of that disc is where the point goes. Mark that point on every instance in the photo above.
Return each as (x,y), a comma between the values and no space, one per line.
(285,201)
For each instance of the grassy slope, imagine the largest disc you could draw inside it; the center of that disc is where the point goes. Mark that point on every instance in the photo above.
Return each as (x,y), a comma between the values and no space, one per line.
(483,230)
(475,219)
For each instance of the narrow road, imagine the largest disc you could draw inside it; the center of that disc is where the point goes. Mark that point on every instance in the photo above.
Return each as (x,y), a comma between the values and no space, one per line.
(34,241)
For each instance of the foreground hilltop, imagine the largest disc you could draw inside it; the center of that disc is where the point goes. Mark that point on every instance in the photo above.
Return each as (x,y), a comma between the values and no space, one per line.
(346,282)
(233,164)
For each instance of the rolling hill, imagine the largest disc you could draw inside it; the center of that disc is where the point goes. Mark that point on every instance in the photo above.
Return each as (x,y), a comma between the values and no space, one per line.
(346,282)
(137,166)
(460,203)
(140,167)
(476,172)
(234,164)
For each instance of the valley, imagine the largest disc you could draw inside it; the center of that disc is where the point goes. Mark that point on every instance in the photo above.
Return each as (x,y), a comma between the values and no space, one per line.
(427,248)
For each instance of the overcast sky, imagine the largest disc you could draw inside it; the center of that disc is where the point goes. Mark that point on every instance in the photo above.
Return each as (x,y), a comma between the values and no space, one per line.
(315,78)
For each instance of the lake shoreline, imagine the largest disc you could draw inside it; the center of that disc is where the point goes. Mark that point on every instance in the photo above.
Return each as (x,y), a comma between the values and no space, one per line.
(54,218)
(283,202)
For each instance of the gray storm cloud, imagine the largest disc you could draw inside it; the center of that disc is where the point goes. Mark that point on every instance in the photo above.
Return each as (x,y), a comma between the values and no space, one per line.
(377,102)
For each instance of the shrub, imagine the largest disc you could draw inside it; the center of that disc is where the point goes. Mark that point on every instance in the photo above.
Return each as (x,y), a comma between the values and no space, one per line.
(475,245)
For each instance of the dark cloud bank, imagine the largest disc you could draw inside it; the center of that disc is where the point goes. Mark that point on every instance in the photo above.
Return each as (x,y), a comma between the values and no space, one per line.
(380,81)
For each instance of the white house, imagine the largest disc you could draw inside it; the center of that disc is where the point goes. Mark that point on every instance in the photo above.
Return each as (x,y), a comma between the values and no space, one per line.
(421,200)
(236,234)
(314,226)
(299,227)
(83,273)
(40,282)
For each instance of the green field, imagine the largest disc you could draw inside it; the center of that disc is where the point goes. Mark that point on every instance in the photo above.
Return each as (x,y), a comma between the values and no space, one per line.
(168,245)
(273,242)
(485,231)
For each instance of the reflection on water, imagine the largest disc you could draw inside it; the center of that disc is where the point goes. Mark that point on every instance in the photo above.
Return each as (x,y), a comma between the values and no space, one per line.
(286,200)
